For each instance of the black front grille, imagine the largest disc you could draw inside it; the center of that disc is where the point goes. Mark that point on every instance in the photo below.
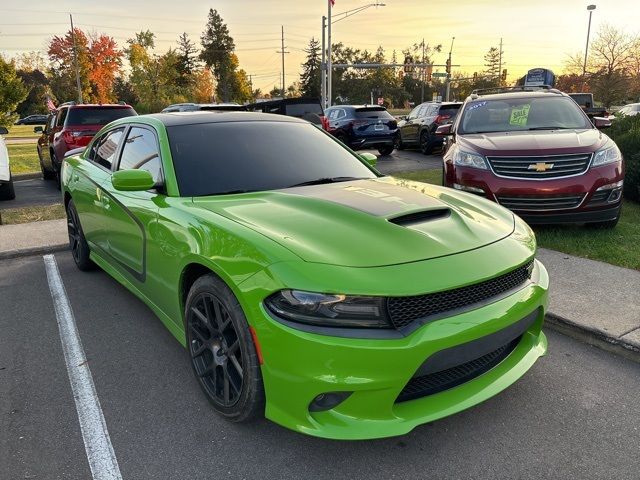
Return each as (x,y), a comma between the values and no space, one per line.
(540,166)
(452,377)
(404,310)
(540,202)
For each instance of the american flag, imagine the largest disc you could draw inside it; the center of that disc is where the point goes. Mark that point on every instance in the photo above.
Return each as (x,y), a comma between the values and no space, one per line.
(50,105)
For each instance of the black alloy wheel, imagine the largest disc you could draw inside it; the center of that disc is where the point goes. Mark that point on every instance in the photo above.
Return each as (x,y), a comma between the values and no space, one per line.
(425,143)
(77,242)
(397,142)
(222,353)
(386,150)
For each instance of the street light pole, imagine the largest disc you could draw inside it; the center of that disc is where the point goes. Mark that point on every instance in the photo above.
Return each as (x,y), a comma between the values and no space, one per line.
(323,67)
(448,91)
(590,8)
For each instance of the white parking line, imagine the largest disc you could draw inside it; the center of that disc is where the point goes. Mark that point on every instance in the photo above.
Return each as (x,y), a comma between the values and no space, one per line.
(102,459)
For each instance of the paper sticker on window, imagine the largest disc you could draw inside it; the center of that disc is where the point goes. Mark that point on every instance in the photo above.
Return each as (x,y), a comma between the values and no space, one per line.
(473,106)
(520,115)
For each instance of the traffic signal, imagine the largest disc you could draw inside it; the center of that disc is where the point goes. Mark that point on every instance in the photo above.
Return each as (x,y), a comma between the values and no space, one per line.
(448,69)
(408,64)
(429,72)
(504,75)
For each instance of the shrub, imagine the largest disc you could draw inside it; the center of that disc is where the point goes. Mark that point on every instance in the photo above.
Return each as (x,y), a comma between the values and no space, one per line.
(625,132)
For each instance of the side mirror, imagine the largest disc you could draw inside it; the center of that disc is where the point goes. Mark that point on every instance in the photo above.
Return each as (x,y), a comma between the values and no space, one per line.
(601,122)
(444,130)
(3,130)
(370,158)
(38,129)
(132,180)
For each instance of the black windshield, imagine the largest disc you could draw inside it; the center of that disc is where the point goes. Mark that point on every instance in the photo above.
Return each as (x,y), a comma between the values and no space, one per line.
(217,158)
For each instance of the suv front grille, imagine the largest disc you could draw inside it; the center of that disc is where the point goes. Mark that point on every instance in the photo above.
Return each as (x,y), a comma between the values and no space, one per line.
(540,202)
(540,167)
(404,310)
(452,377)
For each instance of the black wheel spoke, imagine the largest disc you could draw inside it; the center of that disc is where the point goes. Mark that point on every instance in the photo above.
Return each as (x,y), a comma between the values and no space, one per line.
(217,313)
(236,365)
(200,316)
(226,387)
(200,349)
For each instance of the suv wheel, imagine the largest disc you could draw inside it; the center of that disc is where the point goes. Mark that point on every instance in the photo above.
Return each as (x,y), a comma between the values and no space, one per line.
(46,174)
(386,150)
(397,142)
(426,144)
(6,190)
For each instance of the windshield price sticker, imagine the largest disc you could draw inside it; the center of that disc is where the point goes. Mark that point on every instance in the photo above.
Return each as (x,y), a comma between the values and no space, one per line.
(520,115)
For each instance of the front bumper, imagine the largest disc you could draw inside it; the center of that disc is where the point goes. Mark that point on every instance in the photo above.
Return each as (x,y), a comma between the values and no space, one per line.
(584,187)
(298,366)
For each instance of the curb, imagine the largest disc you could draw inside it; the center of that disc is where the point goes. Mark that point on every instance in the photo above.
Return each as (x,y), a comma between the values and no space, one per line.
(30,251)
(26,176)
(594,337)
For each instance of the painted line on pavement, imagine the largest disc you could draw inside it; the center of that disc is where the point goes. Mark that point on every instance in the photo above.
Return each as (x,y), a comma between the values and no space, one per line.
(97,444)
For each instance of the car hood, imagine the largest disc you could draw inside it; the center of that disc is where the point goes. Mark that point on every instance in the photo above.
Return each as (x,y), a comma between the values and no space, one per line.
(367,223)
(541,142)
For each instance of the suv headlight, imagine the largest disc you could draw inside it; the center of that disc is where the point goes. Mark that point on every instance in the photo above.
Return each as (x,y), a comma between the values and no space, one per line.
(467,159)
(329,310)
(606,156)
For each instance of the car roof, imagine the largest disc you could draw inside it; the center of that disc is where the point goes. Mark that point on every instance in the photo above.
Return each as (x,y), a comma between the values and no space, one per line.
(518,94)
(171,119)
(97,105)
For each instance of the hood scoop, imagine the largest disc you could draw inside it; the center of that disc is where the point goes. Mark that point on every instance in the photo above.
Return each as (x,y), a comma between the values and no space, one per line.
(415,218)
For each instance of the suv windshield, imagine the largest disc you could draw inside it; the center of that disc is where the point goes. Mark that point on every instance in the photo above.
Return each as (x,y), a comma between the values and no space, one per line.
(97,115)
(519,114)
(219,158)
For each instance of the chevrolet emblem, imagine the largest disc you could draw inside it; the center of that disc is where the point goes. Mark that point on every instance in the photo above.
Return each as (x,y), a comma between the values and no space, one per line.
(541,167)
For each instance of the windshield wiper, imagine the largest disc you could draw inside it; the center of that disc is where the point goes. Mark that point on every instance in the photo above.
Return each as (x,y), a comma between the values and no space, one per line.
(321,181)
(551,128)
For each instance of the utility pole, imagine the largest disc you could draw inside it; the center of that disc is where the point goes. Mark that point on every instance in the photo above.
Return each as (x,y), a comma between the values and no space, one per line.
(448,91)
(283,51)
(590,8)
(329,66)
(323,69)
(423,74)
(251,87)
(500,62)
(75,60)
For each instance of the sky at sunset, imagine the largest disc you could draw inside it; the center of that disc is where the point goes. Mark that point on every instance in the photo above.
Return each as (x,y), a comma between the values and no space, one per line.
(535,33)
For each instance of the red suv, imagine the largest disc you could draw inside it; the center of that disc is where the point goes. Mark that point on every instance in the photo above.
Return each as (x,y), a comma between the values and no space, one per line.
(73,126)
(536,153)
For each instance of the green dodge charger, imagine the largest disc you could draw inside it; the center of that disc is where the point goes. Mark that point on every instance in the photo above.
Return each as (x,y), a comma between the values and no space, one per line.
(306,286)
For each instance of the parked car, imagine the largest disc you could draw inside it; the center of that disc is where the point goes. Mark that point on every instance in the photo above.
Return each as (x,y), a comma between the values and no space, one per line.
(33,120)
(304,285)
(586,102)
(538,154)
(73,126)
(630,110)
(306,108)
(193,107)
(418,129)
(363,126)
(6,182)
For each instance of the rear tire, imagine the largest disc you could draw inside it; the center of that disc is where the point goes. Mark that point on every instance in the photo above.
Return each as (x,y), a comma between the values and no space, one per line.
(7,192)
(387,150)
(223,355)
(397,142)
(46,174)
(78,244)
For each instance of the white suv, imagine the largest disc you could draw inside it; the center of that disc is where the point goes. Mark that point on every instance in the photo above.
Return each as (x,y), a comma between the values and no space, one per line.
(6,182)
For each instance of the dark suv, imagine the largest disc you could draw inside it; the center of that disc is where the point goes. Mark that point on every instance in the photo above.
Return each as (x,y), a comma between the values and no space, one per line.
(306,108)
(418,129)
(73,126)
(363,126)
(538,154)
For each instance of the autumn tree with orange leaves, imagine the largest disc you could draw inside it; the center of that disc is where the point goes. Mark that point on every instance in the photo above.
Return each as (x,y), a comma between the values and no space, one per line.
(99,62)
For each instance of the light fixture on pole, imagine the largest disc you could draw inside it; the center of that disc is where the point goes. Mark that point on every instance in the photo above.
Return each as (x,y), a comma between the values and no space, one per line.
(590,9)
(326,99)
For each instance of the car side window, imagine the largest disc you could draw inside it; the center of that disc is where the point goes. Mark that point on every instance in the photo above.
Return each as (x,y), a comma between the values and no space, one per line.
(103,152)
(140,151)
(333,114)
(414,113)
(62,116)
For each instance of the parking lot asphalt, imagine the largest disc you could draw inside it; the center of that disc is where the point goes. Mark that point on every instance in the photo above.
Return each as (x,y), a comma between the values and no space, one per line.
(406,161)
(574,415)
(31,192)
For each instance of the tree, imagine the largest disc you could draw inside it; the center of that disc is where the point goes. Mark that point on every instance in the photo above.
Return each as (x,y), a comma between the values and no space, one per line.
(62,66)
(492,64)
(37,85)
(310,77)
(187,55)
(202,90)
(123,91)
(30,61)
(106,61)
(12,92)
(216,53)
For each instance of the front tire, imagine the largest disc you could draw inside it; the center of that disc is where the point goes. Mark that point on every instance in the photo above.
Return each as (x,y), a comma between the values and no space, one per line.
(397,142)
(223,356)
(426,144)
(46,174)
(78,244)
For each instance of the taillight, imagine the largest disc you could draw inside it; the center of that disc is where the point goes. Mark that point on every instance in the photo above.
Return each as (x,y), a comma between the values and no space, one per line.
(325,122)
(69,137)
(441,118)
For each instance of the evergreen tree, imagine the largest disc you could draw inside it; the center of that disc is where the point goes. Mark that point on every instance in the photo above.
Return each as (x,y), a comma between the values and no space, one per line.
(492,63)
(216,53)
(310,76)
(187,55)
(12,92)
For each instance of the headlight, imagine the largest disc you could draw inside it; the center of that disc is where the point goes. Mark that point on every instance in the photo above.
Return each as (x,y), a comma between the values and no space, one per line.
(329,310)
(466,159)
(606,155)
